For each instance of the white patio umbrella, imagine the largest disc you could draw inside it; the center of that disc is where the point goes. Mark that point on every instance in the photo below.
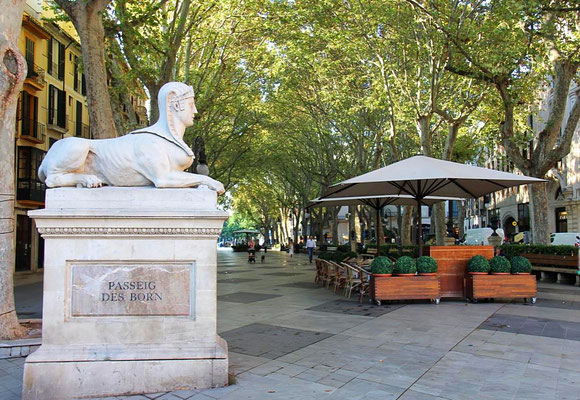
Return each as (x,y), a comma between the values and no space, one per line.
(376,202)
(422,176)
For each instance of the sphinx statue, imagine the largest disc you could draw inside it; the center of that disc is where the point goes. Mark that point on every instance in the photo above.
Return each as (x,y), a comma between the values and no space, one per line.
(153,156)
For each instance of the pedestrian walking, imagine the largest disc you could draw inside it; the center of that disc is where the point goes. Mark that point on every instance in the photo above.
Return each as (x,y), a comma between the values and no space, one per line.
(291,248)
(310,246)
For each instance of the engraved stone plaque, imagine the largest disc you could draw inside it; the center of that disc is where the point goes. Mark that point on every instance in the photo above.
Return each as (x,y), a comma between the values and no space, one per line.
(131,289)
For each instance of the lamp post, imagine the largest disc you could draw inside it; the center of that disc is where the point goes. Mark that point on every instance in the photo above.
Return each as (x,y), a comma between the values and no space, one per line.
(200,162)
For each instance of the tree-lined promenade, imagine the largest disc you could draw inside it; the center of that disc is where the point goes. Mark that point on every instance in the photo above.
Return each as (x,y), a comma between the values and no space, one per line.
(296,96)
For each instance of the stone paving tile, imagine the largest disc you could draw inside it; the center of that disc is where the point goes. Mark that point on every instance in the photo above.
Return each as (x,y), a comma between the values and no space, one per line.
(245,297)
(303,285)
(354,308)
(269,341)
(319,321)
(455,377)
(542,312)
(412,395)
(236,280)
(234,271)
(285,273)
(533,326)
(568,305)
(360,389)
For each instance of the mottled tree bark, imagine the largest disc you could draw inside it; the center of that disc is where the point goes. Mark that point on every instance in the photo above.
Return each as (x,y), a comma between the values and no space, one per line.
(87,19)
(407,225)
(12,73)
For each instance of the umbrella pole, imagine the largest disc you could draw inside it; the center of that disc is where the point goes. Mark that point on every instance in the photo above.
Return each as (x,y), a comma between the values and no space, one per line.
(378,230)
(420,228)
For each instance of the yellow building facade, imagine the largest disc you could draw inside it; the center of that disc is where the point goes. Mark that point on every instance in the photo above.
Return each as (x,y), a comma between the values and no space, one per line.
(52,105)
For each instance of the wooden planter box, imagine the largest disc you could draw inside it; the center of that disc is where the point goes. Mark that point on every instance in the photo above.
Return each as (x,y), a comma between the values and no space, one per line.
(501,286)
(452,266)
(405,288)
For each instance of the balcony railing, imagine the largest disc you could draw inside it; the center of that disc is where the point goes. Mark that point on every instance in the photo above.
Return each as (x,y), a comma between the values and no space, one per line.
(30,189)
(58,126)
(31,129)
(36,75)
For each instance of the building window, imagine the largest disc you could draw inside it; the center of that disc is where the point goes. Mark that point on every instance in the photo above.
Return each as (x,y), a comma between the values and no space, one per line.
(561,219)
(29,186)
(56,107)
(55,65)
(29,54)
(524,216)
(28,116)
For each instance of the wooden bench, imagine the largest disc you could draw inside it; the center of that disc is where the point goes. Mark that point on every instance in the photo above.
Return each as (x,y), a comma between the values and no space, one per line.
(371,253)
(551,263)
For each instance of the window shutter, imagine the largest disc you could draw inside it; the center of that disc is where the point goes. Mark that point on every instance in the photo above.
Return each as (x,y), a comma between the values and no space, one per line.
(49,64)
(51,104)
(61,51)
(61,109)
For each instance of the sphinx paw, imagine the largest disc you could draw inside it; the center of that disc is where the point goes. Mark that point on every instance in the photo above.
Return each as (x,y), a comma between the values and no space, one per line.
(91,181)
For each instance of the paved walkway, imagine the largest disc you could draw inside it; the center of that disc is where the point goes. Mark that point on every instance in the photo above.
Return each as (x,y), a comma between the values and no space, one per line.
(289,339)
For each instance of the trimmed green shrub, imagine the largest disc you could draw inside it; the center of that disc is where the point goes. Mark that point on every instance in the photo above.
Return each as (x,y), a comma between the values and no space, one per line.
(521,265)
(512,250)
(478,263)
(426,265)
(499,264)
(382,265)
(405,265)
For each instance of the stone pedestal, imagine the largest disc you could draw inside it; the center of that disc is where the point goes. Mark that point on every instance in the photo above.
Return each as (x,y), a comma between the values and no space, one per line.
(495,241)
(129,293)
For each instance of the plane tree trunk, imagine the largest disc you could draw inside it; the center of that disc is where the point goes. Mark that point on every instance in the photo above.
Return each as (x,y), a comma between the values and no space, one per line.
(12,73)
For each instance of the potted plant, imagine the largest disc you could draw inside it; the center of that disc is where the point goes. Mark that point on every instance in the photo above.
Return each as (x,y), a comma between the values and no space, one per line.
(405,266)
(382,266)
(478,265)
(426,265)
(521,265)
(499,265)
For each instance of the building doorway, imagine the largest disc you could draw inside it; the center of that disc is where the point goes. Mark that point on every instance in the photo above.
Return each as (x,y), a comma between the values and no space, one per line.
(561,219)
(23,243)
(509,228)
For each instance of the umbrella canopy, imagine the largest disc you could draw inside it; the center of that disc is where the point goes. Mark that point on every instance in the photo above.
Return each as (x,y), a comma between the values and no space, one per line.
(422,176)
(376,202)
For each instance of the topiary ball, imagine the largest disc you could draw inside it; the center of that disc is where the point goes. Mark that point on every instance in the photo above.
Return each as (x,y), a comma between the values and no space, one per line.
(405,265)
(382,265)
(499,264)
(478,263)
(426,265)
(521,265)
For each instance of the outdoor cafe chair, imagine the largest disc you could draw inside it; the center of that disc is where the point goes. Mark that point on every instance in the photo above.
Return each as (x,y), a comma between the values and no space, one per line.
(340,276)
(353,280)
(364,287)
(321,272)
(330,273)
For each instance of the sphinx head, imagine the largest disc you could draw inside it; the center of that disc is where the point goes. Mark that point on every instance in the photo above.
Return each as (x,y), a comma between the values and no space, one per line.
(176,106)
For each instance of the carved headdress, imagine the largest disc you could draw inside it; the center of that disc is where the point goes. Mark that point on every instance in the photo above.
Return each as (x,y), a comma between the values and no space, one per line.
(170,99)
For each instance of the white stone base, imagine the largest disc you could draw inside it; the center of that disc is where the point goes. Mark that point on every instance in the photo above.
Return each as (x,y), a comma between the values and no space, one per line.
(77,380)
(100,338)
